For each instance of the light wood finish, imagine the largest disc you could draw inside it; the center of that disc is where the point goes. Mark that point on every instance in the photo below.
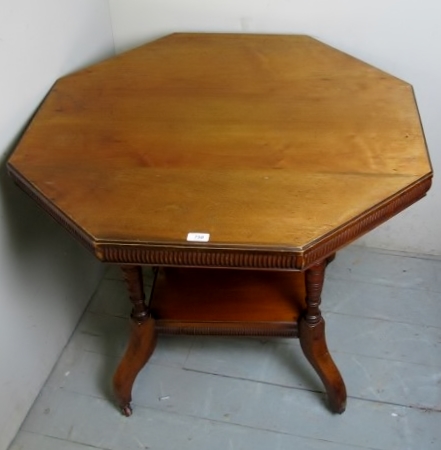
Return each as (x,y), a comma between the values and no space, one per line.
(282,148)
(268,143)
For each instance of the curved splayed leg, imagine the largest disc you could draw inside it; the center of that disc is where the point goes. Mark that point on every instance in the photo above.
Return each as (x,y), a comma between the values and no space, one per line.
(142,341)
(313,342)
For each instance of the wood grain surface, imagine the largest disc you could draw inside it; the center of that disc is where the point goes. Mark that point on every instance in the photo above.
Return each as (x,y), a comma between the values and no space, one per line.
(262,141)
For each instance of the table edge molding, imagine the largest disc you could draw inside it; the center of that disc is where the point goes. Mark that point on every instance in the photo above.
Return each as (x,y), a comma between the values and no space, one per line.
(366,222)
(249,258)
(124,252)
(216,258)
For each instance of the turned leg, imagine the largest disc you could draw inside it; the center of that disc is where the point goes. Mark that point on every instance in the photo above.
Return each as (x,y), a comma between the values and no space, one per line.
(141,343)
(313,342)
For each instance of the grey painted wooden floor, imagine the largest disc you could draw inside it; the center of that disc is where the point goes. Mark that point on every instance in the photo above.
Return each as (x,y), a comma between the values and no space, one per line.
(383,313)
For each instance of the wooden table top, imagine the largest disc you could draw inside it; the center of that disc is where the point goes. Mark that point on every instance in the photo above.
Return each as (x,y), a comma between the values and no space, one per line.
(275,146)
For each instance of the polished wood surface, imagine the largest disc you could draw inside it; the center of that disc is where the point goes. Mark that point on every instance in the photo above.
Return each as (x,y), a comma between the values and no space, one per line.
(235,302)
(267,143)
(280,149)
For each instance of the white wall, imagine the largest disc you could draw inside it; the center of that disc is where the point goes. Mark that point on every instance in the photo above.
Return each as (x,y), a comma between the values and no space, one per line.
(46,278)
(402,37)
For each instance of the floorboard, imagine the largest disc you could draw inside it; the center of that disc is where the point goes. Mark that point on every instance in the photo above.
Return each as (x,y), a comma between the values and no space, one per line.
(382,314)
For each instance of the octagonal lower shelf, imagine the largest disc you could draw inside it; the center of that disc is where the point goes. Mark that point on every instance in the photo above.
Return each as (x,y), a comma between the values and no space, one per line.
(227,302)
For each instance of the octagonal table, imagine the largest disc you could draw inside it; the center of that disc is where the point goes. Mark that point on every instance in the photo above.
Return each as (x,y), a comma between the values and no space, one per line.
(199,152)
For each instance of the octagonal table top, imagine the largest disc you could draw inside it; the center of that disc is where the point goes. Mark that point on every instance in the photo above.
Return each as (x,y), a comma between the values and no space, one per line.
(276,150)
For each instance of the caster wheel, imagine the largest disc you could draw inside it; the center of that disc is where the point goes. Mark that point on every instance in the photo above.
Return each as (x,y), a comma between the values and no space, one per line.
(126,410)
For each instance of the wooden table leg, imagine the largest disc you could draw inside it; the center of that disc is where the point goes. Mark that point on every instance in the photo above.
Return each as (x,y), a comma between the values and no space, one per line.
(313,342)
(330,258)
(142,340)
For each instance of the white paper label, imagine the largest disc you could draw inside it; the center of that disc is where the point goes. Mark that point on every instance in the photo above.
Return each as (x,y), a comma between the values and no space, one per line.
(198,237)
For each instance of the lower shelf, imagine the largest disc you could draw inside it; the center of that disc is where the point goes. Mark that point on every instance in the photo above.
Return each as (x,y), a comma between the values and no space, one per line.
(227,302)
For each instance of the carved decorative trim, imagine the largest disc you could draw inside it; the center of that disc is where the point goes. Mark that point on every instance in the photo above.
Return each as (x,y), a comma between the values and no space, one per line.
(131,254)
(247,258)
(133,278)
(252,330)
(364,223)
(258,259)
(314,278)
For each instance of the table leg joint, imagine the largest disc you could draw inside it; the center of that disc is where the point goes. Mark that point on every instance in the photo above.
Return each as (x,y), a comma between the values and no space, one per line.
(134,282)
